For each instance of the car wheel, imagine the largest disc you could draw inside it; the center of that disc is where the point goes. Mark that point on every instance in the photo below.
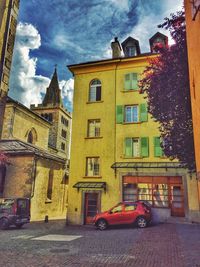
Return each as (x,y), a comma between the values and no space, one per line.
(102,224)
(19,225)
(4,224)
(141,222)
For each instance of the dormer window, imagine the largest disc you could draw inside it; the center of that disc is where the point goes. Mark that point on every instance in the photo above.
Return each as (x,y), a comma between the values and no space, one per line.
(131,47)
(157,42)
(131,51)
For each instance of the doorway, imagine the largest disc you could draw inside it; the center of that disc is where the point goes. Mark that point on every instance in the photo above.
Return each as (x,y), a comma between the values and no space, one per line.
(177,200)
(91,207)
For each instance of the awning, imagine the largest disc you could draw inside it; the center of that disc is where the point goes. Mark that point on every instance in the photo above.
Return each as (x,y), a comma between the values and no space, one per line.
(137,165)
(93,185)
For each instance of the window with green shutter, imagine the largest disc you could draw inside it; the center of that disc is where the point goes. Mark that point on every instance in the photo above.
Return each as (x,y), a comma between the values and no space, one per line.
(128,147)
(131,81)
(144,146)
(136,147)
(143,112)
(119,114)
(158,152)
(134,81)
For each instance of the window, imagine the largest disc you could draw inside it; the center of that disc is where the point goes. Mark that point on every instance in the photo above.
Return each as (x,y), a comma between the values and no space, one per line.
(131,51)
(50,185)
(131,81)
(132,113)
(63,146)
(48,116)
(2,178)
(195,8)
(130,207)
(64,121)
(117,209)
(136,147)
(95,91)
(64,133)
(93,128)
(32,136)
(154,194)
(158,152)
(92,166)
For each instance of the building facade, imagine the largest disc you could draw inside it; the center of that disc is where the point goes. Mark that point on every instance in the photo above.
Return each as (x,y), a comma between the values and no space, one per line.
(192,13)
(116,153)
(8,23)
(52,109)
(37,168)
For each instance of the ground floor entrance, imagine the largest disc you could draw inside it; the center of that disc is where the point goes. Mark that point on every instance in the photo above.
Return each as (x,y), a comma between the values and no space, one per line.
(91,207)
(160,191)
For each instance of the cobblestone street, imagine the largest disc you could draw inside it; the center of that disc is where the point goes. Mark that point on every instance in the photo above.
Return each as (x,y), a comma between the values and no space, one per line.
(163,245)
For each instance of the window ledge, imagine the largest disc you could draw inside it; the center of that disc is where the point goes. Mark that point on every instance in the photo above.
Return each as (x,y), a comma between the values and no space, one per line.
(48,201)
(138,122)
(94,137)
(93,102)
(130,90)
(92,177)
(131,157)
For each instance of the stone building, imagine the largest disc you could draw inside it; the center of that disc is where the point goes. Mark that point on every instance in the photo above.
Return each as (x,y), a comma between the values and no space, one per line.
(38,166)
(8,23)
(52,110)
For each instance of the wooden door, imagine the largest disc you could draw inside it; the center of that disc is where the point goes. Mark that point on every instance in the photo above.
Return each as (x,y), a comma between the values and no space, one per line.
(177,200)
(91,207)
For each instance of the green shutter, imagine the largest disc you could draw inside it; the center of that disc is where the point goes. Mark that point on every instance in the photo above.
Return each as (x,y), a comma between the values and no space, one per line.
(143,112)
(119,114)
(127,81)
(144,146)
(134,81)
(128,147)
(157,148)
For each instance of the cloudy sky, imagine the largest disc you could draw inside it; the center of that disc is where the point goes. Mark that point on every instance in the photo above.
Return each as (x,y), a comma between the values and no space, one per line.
(66,32)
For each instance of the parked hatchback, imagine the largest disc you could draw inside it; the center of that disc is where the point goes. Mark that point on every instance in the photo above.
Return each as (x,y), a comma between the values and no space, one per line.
(136,213)
(14,211)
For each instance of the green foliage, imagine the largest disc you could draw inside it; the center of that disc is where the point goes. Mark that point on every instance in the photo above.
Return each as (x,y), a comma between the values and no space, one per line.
(166,83)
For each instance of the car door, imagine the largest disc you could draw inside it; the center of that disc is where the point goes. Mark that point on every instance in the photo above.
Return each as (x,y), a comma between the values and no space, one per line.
(115,215)
(129,213)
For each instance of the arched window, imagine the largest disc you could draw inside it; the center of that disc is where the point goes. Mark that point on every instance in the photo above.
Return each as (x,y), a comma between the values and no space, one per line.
(95,91)
(32,136)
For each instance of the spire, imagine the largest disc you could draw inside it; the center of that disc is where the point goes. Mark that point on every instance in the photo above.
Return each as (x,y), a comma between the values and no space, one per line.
(53,93)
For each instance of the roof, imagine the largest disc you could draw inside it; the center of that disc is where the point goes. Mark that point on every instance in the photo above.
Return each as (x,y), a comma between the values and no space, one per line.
(158,34)
(11,100)
(91,185)
(18,147)
(137,165)
(53,93)
(110,60)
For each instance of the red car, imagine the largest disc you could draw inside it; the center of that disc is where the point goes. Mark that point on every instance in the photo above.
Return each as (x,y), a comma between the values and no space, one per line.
(138,213)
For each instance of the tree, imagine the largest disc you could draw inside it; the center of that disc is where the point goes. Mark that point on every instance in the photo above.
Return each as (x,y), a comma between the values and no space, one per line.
(166,84)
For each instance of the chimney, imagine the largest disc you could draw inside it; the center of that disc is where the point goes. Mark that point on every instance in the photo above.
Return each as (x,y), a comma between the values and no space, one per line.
(116,48)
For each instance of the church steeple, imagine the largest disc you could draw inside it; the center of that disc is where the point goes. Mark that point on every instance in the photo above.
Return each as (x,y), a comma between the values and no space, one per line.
(53,92)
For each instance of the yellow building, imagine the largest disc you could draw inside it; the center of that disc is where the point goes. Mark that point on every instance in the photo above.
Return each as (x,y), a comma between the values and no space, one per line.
(115,151)
(192,13)
(38,166)
(8,23)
